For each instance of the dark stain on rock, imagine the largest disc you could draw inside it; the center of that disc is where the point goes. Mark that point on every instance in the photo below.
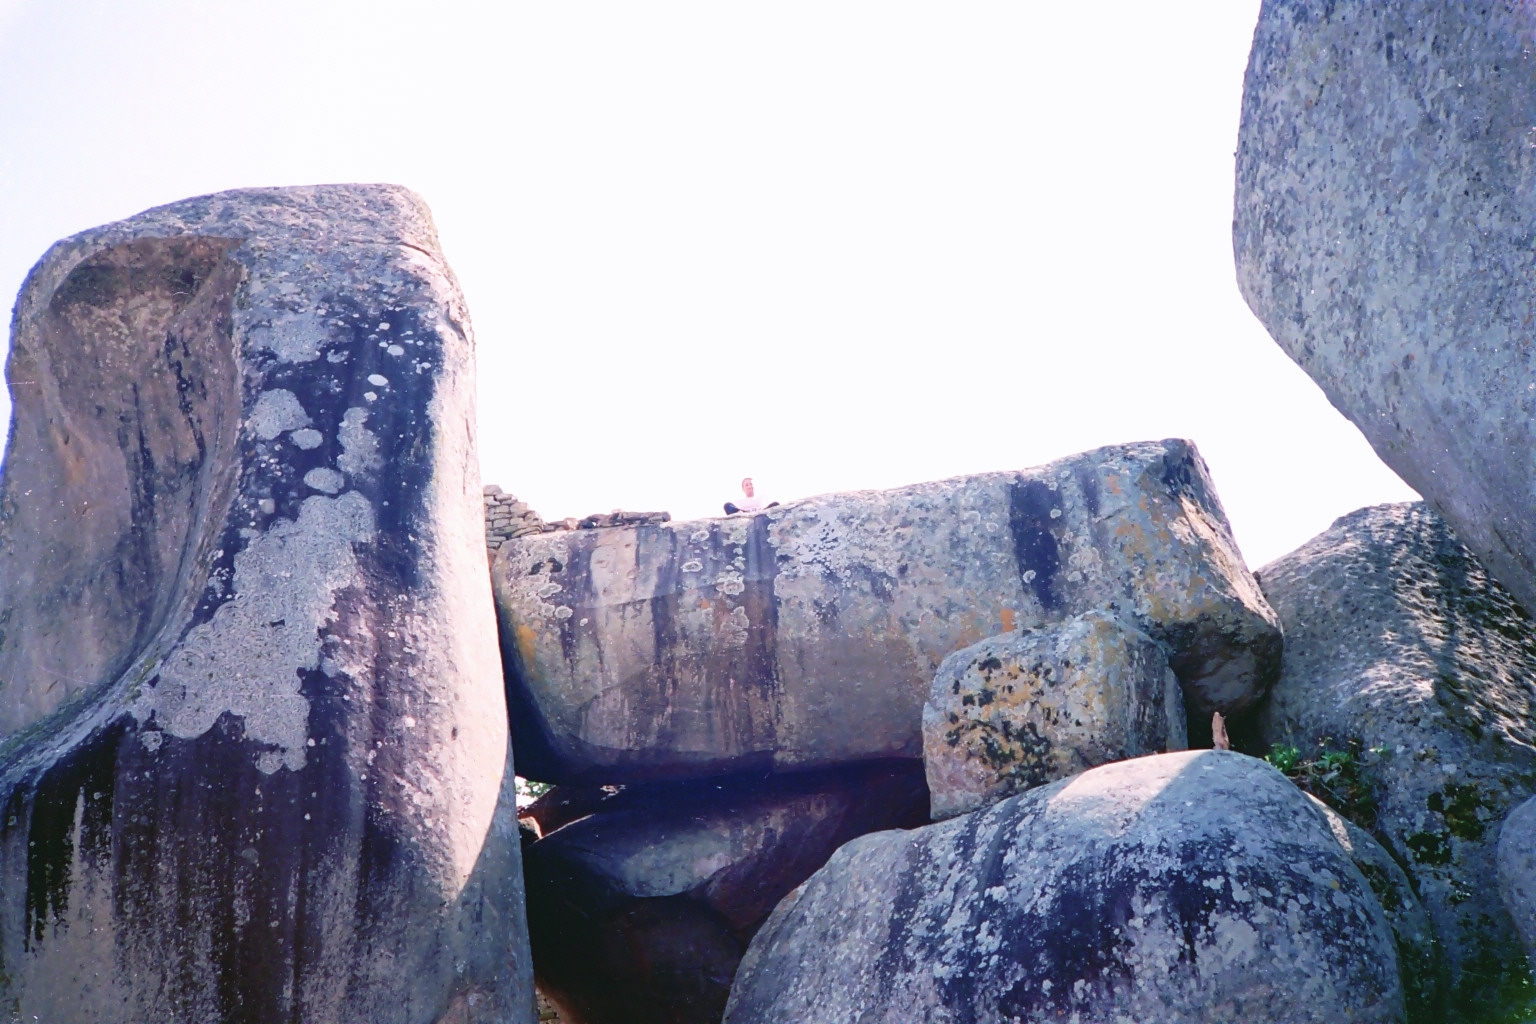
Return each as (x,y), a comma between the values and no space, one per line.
(81,782)
(1034,546)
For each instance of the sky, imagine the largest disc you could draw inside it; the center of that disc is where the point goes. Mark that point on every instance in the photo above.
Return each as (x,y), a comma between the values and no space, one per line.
(831,245)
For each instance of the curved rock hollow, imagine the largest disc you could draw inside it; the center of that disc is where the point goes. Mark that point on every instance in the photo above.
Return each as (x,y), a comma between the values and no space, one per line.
(253,748)
(808,635)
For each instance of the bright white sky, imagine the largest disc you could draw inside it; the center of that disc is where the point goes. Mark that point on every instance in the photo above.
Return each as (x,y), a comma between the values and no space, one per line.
(832,245)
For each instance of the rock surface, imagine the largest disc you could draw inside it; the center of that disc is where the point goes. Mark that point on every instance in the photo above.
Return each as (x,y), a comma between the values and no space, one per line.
(1397,641)
(1384,230)
(1198,886)
(697,648)
(255,762)
(1418,960)
(640,912)
(1022,709)
(1517,870)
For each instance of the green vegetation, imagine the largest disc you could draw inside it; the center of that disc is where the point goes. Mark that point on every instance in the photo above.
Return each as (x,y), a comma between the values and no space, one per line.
(1339,778)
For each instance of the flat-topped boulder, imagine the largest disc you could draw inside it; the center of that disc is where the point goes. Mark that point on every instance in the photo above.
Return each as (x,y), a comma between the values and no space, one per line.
(808,634)
(255,754)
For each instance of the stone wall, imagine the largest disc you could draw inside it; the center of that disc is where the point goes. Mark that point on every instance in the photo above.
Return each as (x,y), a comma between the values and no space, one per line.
(506,518)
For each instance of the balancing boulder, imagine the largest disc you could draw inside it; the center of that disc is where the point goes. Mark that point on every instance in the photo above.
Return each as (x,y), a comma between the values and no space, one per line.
(1385,229)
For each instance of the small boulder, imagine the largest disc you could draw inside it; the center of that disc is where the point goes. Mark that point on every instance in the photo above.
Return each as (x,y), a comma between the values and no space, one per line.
(1399,647)
(1178,888)
(807,635)
(640,911)
(1027,708)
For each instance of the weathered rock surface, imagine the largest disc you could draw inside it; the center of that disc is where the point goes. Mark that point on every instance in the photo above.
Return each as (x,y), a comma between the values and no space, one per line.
(255,764)
(727,644)
(1198,886)
(1417,952)
(1396,640)
(1022,709)
(1384,230)
(1517,870)
(640,912)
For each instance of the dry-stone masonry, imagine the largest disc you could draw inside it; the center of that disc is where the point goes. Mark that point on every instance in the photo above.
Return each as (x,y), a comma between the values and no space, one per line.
(1023,709)
(808,635)
(1400,647)
(255,759)
(1385,229)
(1178,888)
(507,518)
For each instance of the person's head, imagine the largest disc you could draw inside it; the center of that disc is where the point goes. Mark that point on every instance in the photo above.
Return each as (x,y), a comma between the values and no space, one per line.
(746,486)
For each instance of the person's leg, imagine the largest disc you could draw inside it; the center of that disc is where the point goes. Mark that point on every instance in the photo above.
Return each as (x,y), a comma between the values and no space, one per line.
(731,509)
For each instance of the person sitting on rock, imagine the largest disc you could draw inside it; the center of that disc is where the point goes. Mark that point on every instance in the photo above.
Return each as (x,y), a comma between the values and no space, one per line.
(750,503)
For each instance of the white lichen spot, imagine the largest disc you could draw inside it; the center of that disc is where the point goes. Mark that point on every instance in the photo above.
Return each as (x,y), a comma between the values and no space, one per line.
(369,396)
(562,613)
(359,445)
(378,380)
(693,565)
(395,350)
(151,738)
(325,479)
(275,411)
(247,659)
(307,438)
(336,357)
(267,506)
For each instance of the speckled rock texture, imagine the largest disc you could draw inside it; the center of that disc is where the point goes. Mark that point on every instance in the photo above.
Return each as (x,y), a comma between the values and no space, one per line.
(255,760)
(1517,870)
(1022,709)
(807,635)
(1385,228)
(1197,886)
(1417,952)
(1397,642)
(640,912)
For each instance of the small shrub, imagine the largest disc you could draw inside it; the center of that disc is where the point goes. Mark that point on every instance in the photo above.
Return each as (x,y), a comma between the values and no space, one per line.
(1339,778)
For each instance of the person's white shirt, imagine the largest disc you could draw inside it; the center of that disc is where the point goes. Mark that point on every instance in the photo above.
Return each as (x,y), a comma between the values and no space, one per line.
(749,504)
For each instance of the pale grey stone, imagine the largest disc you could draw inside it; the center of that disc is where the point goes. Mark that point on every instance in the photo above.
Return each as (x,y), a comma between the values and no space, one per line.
(1190,887)
(1023,709)
(1385,230)
(253,739)
(1517,870)
(808,635)
(1400,646)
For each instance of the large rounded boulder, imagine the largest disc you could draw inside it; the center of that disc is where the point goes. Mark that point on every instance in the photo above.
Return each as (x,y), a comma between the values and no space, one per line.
(1178,888)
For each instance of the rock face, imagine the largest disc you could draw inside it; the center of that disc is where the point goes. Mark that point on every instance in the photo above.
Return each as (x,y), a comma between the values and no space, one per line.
(1198,886)
(1398,641)
(1385,204)
(1517,870)
(1417,957)
(255,762)
(695,648)
(640,912)
(1023,709)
